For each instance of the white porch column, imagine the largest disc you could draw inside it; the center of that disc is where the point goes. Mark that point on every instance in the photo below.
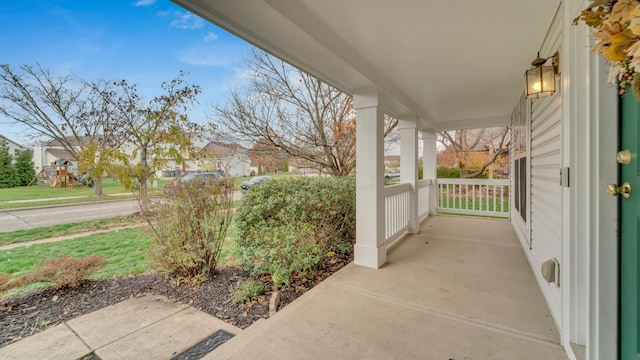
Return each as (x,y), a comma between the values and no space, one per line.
(409,166)
(429,160)
(370,249)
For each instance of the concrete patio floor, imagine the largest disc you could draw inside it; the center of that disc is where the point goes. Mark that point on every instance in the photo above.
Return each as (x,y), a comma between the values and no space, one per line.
(460,289)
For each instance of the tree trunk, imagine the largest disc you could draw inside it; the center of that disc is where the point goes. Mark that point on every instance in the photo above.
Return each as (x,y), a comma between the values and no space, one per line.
(144,197)
(97,186)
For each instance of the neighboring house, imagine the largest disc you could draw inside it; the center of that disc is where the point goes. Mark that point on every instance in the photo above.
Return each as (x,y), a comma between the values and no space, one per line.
(302,167)
(391,162)
(44,156)
(14,147)
(232,159)
(406,59)
(48,152)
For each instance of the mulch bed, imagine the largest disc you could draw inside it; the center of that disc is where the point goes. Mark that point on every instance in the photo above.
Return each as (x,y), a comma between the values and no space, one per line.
(27,314)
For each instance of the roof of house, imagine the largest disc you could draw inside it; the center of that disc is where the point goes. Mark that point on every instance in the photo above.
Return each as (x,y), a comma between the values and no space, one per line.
(11,141)
(61,154)
(221,149)
(72,140)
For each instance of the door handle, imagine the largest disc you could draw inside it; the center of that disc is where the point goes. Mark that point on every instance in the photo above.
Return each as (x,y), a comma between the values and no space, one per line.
(624,157)
(624,190)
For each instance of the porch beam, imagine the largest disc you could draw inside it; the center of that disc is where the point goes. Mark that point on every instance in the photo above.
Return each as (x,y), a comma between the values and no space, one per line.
(370,249)
(409,166)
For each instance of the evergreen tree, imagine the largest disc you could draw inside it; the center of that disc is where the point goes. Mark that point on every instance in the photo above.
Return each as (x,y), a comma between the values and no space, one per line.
(7,170)
(24,167)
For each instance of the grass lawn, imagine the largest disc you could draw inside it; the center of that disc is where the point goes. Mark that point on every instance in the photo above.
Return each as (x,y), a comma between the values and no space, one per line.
(64,229)
(478,204)
(125,251)
(43,191)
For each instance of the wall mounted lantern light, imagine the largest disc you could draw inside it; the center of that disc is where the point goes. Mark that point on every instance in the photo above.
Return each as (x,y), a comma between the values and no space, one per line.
(541,79)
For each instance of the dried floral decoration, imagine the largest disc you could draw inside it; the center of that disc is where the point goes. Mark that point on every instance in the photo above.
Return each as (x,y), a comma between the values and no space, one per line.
(616,25)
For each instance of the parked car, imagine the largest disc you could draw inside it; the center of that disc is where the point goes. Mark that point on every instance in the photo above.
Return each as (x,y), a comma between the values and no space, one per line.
(245,186)
(393,174)
(208,178)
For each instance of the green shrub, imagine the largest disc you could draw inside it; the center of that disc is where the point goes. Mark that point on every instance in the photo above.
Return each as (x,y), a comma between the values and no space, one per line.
(7,169)
(188,229)
(24,168)
(246,290)
(286,226)
(447,172)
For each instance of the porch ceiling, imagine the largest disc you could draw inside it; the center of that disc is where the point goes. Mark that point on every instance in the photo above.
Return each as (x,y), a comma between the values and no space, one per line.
(452,64)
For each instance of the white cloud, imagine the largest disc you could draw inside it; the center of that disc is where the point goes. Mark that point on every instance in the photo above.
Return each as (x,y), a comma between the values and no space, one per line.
(187,21)
(204,57)
(144,2)
(210,37)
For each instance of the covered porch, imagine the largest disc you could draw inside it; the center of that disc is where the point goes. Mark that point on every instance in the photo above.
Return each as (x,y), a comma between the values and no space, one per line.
(438,66)
(461,288)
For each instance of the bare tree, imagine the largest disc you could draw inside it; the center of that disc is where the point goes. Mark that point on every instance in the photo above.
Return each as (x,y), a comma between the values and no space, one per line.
(296,113)
(158,129)
(65,110)
(473,151)
(268,157)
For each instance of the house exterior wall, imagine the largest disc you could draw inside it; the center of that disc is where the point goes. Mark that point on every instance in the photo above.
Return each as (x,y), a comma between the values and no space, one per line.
(540,231)
(42,158)
(14,147)
(546,209)
(574,223)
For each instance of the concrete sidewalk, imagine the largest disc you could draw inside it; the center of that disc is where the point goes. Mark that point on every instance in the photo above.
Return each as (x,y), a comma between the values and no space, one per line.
(149,327)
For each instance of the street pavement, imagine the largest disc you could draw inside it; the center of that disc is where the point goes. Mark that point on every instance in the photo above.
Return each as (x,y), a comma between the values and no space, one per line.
(24,219)
(31,218)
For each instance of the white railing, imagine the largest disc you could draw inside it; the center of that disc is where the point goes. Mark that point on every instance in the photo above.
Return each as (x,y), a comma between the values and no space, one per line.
(397,200)
(486,197)
(423,197)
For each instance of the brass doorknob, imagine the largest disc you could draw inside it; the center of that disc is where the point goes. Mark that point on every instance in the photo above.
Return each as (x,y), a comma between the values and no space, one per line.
(624,190)
(624,157)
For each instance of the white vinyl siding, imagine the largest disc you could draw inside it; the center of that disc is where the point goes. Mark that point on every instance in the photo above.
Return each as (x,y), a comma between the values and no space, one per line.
(543,241)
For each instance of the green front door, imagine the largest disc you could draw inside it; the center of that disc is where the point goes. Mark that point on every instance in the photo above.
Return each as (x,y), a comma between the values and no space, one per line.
(629,233)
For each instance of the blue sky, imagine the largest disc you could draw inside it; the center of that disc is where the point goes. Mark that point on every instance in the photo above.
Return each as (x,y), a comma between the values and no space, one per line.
(145,42)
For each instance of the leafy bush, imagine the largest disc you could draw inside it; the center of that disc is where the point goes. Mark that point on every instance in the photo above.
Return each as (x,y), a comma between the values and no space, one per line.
(24,168)
(286,226)
(246,290)
(7,169)
(447,172)
(188,229)
(62,272)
